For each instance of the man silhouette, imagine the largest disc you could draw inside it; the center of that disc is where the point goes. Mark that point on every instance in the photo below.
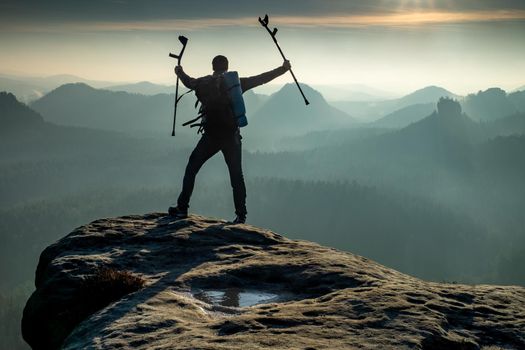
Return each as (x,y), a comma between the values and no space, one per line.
(221,133)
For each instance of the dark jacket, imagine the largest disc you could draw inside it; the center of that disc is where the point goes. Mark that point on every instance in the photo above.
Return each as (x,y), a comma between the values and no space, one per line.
(246,83)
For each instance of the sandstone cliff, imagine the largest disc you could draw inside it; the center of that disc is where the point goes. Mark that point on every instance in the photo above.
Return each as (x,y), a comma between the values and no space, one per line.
(148,282)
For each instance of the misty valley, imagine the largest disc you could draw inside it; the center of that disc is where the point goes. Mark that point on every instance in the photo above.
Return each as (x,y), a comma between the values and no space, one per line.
(431,184)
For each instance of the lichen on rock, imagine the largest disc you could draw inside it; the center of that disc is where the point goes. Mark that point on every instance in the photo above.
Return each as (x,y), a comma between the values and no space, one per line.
(326,299)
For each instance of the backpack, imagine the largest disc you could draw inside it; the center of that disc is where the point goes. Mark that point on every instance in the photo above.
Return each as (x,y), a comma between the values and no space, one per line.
(222,106)
(215,109)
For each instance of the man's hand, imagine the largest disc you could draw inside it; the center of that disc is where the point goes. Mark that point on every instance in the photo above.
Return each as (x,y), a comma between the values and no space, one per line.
(287,65)
(178,70)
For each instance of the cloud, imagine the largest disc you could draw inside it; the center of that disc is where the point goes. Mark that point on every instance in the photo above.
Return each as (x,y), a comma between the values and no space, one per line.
(395,19)
(406,18)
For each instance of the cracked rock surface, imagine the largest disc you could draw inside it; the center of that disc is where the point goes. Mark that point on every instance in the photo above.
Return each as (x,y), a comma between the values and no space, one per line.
(326,299)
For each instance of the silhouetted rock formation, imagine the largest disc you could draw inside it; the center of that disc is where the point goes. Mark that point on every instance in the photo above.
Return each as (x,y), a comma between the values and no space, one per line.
(490,104)
(448,107)
(321,298)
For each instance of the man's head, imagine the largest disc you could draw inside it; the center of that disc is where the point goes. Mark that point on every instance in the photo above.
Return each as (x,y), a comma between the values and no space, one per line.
(220,64)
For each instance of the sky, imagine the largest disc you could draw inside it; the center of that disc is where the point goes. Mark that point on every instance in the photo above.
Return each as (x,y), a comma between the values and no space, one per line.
(392,45)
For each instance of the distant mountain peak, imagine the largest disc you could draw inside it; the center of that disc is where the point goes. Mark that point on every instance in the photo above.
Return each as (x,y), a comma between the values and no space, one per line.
(447,125)
(143,88)
(78,87)
(16,114)
(493,91)
(7,97)
(428,94)
(431,90)
(490,104)
(311,94)
(432,87)
(286,113)
(145,82)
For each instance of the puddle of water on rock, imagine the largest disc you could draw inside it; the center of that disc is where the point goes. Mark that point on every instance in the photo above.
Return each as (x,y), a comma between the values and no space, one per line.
(235,297)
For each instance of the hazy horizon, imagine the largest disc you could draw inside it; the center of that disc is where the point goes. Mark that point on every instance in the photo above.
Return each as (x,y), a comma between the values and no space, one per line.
(397,46)
(331,92)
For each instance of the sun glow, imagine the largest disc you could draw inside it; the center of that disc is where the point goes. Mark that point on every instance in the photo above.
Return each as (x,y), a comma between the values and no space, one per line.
(405,18)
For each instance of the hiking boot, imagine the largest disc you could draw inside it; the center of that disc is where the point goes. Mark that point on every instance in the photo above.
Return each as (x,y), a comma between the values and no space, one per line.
(239,219)
(178,213)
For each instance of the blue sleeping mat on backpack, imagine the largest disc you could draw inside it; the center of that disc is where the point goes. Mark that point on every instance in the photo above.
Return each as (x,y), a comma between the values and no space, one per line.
(233,86)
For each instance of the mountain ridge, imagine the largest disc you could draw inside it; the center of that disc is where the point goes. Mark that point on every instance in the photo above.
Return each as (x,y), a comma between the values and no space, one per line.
(81,105)
(370,111)
(492,104)
(143,87)
(14,114)
(427,94)
(405,116)
(286,110)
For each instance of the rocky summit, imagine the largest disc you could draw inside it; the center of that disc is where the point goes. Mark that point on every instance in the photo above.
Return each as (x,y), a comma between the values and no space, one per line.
(150,282)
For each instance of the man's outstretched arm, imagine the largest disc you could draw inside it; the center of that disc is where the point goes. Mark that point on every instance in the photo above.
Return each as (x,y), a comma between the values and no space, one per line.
(251,82)
(188,81)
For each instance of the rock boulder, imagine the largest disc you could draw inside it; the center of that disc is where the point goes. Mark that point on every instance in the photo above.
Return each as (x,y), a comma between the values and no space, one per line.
(201,283)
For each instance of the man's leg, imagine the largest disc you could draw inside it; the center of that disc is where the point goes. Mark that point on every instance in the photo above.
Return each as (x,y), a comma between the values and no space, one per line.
(232,151)
(204,150)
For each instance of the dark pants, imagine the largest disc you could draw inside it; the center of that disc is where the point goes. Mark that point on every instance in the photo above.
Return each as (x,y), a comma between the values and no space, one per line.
(208,146)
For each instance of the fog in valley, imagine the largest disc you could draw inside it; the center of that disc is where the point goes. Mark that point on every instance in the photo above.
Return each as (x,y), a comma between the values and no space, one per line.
(411,152)
(433,188)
